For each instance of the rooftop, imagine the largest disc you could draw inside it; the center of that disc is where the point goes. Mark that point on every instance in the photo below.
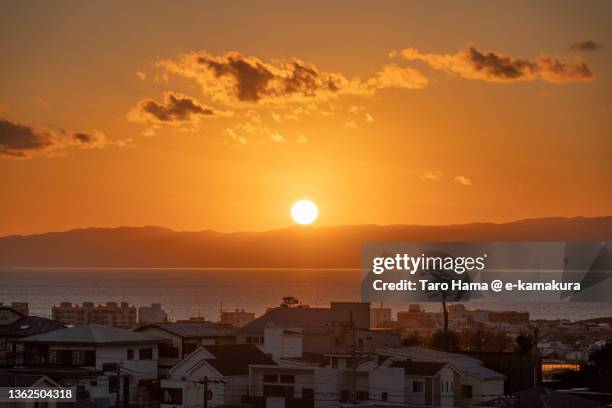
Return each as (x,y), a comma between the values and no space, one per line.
(194,329)
(234,359)
(307,317)
(94,335)
(29,326)
(421,368)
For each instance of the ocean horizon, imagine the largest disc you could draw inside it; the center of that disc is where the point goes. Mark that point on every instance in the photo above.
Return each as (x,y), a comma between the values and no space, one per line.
(187,292)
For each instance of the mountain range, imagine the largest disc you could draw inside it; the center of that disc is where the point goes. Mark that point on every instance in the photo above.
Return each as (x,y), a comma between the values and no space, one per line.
(293,247)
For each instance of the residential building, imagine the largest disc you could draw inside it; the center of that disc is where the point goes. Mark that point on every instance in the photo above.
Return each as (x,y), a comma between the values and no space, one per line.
(152,314)
(509,317)
(185,338)
(236,318)
(21,307)
(324,330)
(224,368)
(15,326)
(472,382)
(108,364)
(9,378)
(122,315)
(379,315)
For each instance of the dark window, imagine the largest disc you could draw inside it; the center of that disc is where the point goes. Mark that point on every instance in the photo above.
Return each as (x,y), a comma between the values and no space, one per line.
(89,359)
(466,391)
(108,367)
(145,354)
(270,378)
(172,396)
(188,348)
(384,396)
(113,384)
(168,351)
(287,378)
(344,395)
(278,391)
(418,386)
(130,354)
(363,395)
(93,383)
(249,339)
(307,393)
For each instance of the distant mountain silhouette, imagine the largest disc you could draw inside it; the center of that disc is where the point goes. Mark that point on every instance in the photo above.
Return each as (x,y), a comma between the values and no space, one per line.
(307,247)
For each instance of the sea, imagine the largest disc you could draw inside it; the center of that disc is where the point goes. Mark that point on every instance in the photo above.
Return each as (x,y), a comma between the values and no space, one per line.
(184,293)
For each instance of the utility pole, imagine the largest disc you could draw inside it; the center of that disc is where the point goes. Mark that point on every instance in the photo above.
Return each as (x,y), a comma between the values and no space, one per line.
(353,394)
(205,391)
(118,387)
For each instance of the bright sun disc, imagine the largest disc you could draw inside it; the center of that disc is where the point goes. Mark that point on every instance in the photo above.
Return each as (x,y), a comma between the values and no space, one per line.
(304,212)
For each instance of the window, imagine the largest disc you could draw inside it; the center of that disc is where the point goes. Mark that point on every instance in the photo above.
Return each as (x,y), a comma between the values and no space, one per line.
(287,378)
(466,391)
(130,354)
(384,396)
(113,384)
(278,390)
(418,386)
(168,351)
(270,378)
(108,367)
(363,395)
(145,354)
(172,396)
(344,395)
(307,393)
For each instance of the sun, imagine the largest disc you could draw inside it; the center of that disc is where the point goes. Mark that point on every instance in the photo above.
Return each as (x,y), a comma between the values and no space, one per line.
(304,212)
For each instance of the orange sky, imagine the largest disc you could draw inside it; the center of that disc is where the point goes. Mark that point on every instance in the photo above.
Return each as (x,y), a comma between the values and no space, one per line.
(219,116)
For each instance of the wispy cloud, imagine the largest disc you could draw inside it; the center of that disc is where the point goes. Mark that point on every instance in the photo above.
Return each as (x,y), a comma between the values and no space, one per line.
(472,63)
(588,45)
(432,176)
(464,181)
(24,141)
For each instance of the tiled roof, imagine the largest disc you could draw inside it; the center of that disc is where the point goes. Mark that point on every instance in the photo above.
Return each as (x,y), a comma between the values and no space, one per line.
(94,334)
(305,317)
(29,326)
(466,364)
(234,359)
(424,368)
(195,329)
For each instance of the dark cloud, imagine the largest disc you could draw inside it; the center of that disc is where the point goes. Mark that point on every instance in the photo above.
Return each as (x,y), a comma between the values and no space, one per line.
(22,141)
(233,78)
(175,108)
(473,63)
(588,45)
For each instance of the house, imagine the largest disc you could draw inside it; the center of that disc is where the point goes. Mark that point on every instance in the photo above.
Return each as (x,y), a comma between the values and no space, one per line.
(426,383)
(185,337)
(222,369)
(152,314)
(107,363)
(15,325)
(472,382)
(11,379)
(324,330)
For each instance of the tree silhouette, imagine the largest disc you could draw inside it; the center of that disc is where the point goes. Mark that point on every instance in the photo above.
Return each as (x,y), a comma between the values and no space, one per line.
(290,302)
(525,343)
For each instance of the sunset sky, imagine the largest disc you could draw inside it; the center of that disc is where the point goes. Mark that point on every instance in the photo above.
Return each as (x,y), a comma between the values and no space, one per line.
(220,115)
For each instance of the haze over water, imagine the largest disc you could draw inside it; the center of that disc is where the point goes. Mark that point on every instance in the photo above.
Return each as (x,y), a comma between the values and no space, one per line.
(192,292)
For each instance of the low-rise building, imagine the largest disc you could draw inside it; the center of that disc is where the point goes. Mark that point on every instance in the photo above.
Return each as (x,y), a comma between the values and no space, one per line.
(152,314)
(122,315)
(108,364)
(221,373)
(15,326)
(185,338)
(236,318)
(22,307)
